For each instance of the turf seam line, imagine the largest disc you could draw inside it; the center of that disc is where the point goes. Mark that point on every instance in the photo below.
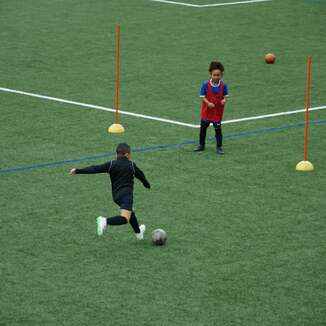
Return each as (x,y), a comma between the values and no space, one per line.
(156,147)
(148,117)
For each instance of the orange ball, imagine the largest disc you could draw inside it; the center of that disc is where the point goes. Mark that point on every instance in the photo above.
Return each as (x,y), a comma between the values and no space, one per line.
(270,58)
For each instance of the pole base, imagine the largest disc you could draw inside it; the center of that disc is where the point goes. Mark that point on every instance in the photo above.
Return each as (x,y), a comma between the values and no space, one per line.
(116,129)
(304,166)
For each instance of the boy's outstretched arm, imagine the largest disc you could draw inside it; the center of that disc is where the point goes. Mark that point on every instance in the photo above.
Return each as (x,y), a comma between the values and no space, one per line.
(139,174)
(103,168)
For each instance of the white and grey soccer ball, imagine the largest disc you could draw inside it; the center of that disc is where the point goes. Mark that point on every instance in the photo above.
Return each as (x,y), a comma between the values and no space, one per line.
(159,237)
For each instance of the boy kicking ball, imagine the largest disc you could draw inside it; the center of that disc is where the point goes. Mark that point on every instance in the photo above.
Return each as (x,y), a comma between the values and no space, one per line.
(214,93)
(122,172)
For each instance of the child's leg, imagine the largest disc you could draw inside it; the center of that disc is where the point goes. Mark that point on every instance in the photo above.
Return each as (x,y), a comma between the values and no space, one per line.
(138,229)
(103,222)
(121,219)
(134,223)
(125,204)
(127,215)
(218,134)
(203,129)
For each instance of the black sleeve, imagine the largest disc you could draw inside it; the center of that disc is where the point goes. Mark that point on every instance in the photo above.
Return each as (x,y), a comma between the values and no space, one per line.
(103,168)
(139,174)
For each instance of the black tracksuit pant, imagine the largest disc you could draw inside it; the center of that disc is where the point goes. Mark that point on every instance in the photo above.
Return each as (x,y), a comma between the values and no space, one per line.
(204,124)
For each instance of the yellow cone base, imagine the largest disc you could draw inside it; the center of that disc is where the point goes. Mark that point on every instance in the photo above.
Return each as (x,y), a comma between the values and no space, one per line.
(116,129)
(304,166)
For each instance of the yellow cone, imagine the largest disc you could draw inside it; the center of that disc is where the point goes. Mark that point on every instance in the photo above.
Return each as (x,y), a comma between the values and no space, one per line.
(304,166)
(116,129)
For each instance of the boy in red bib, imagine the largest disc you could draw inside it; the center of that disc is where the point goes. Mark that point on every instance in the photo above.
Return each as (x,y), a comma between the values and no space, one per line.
(214,93)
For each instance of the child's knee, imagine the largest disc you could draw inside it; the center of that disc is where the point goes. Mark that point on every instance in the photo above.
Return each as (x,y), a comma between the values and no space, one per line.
(204,123)
(126,214)
(126,218)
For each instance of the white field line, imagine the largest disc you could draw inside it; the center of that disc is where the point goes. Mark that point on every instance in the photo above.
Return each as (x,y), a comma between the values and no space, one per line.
(97,107)
(272,115)
(233,3)
(177,3)
(148,117)
(210,5)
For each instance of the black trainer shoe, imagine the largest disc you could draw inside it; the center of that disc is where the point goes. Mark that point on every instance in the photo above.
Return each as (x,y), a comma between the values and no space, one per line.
(219,151)
(199,148)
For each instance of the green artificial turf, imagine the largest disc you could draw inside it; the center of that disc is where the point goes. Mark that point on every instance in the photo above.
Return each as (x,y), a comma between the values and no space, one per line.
(246,233)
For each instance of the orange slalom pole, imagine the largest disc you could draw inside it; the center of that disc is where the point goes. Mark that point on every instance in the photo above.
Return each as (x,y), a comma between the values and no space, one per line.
(305,165)
(305,146)
(116,127)
(117,75)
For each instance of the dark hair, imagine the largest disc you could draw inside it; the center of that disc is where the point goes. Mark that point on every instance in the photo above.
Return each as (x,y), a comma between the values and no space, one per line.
(216,65)
(123,149)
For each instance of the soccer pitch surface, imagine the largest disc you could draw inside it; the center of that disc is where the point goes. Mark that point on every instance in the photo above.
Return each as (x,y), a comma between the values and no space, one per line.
(246,233)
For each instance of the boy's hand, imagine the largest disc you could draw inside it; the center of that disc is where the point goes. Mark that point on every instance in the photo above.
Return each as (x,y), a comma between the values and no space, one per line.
(223,101)
(72,171)
(147,185)
(210,105)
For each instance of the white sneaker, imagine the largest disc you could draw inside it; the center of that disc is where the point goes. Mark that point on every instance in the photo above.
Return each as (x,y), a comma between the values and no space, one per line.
(142,228)
(101,225)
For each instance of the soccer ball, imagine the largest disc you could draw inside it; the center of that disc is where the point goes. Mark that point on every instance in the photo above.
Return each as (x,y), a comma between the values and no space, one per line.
(270,58)
(159,237)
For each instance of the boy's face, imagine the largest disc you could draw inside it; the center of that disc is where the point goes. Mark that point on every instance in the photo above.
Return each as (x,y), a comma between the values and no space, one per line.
(216,75)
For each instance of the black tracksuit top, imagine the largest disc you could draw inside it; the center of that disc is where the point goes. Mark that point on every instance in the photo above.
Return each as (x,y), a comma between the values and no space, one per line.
(122,172)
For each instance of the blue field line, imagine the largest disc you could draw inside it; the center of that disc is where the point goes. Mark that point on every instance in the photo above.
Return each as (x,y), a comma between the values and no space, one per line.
(156,147)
